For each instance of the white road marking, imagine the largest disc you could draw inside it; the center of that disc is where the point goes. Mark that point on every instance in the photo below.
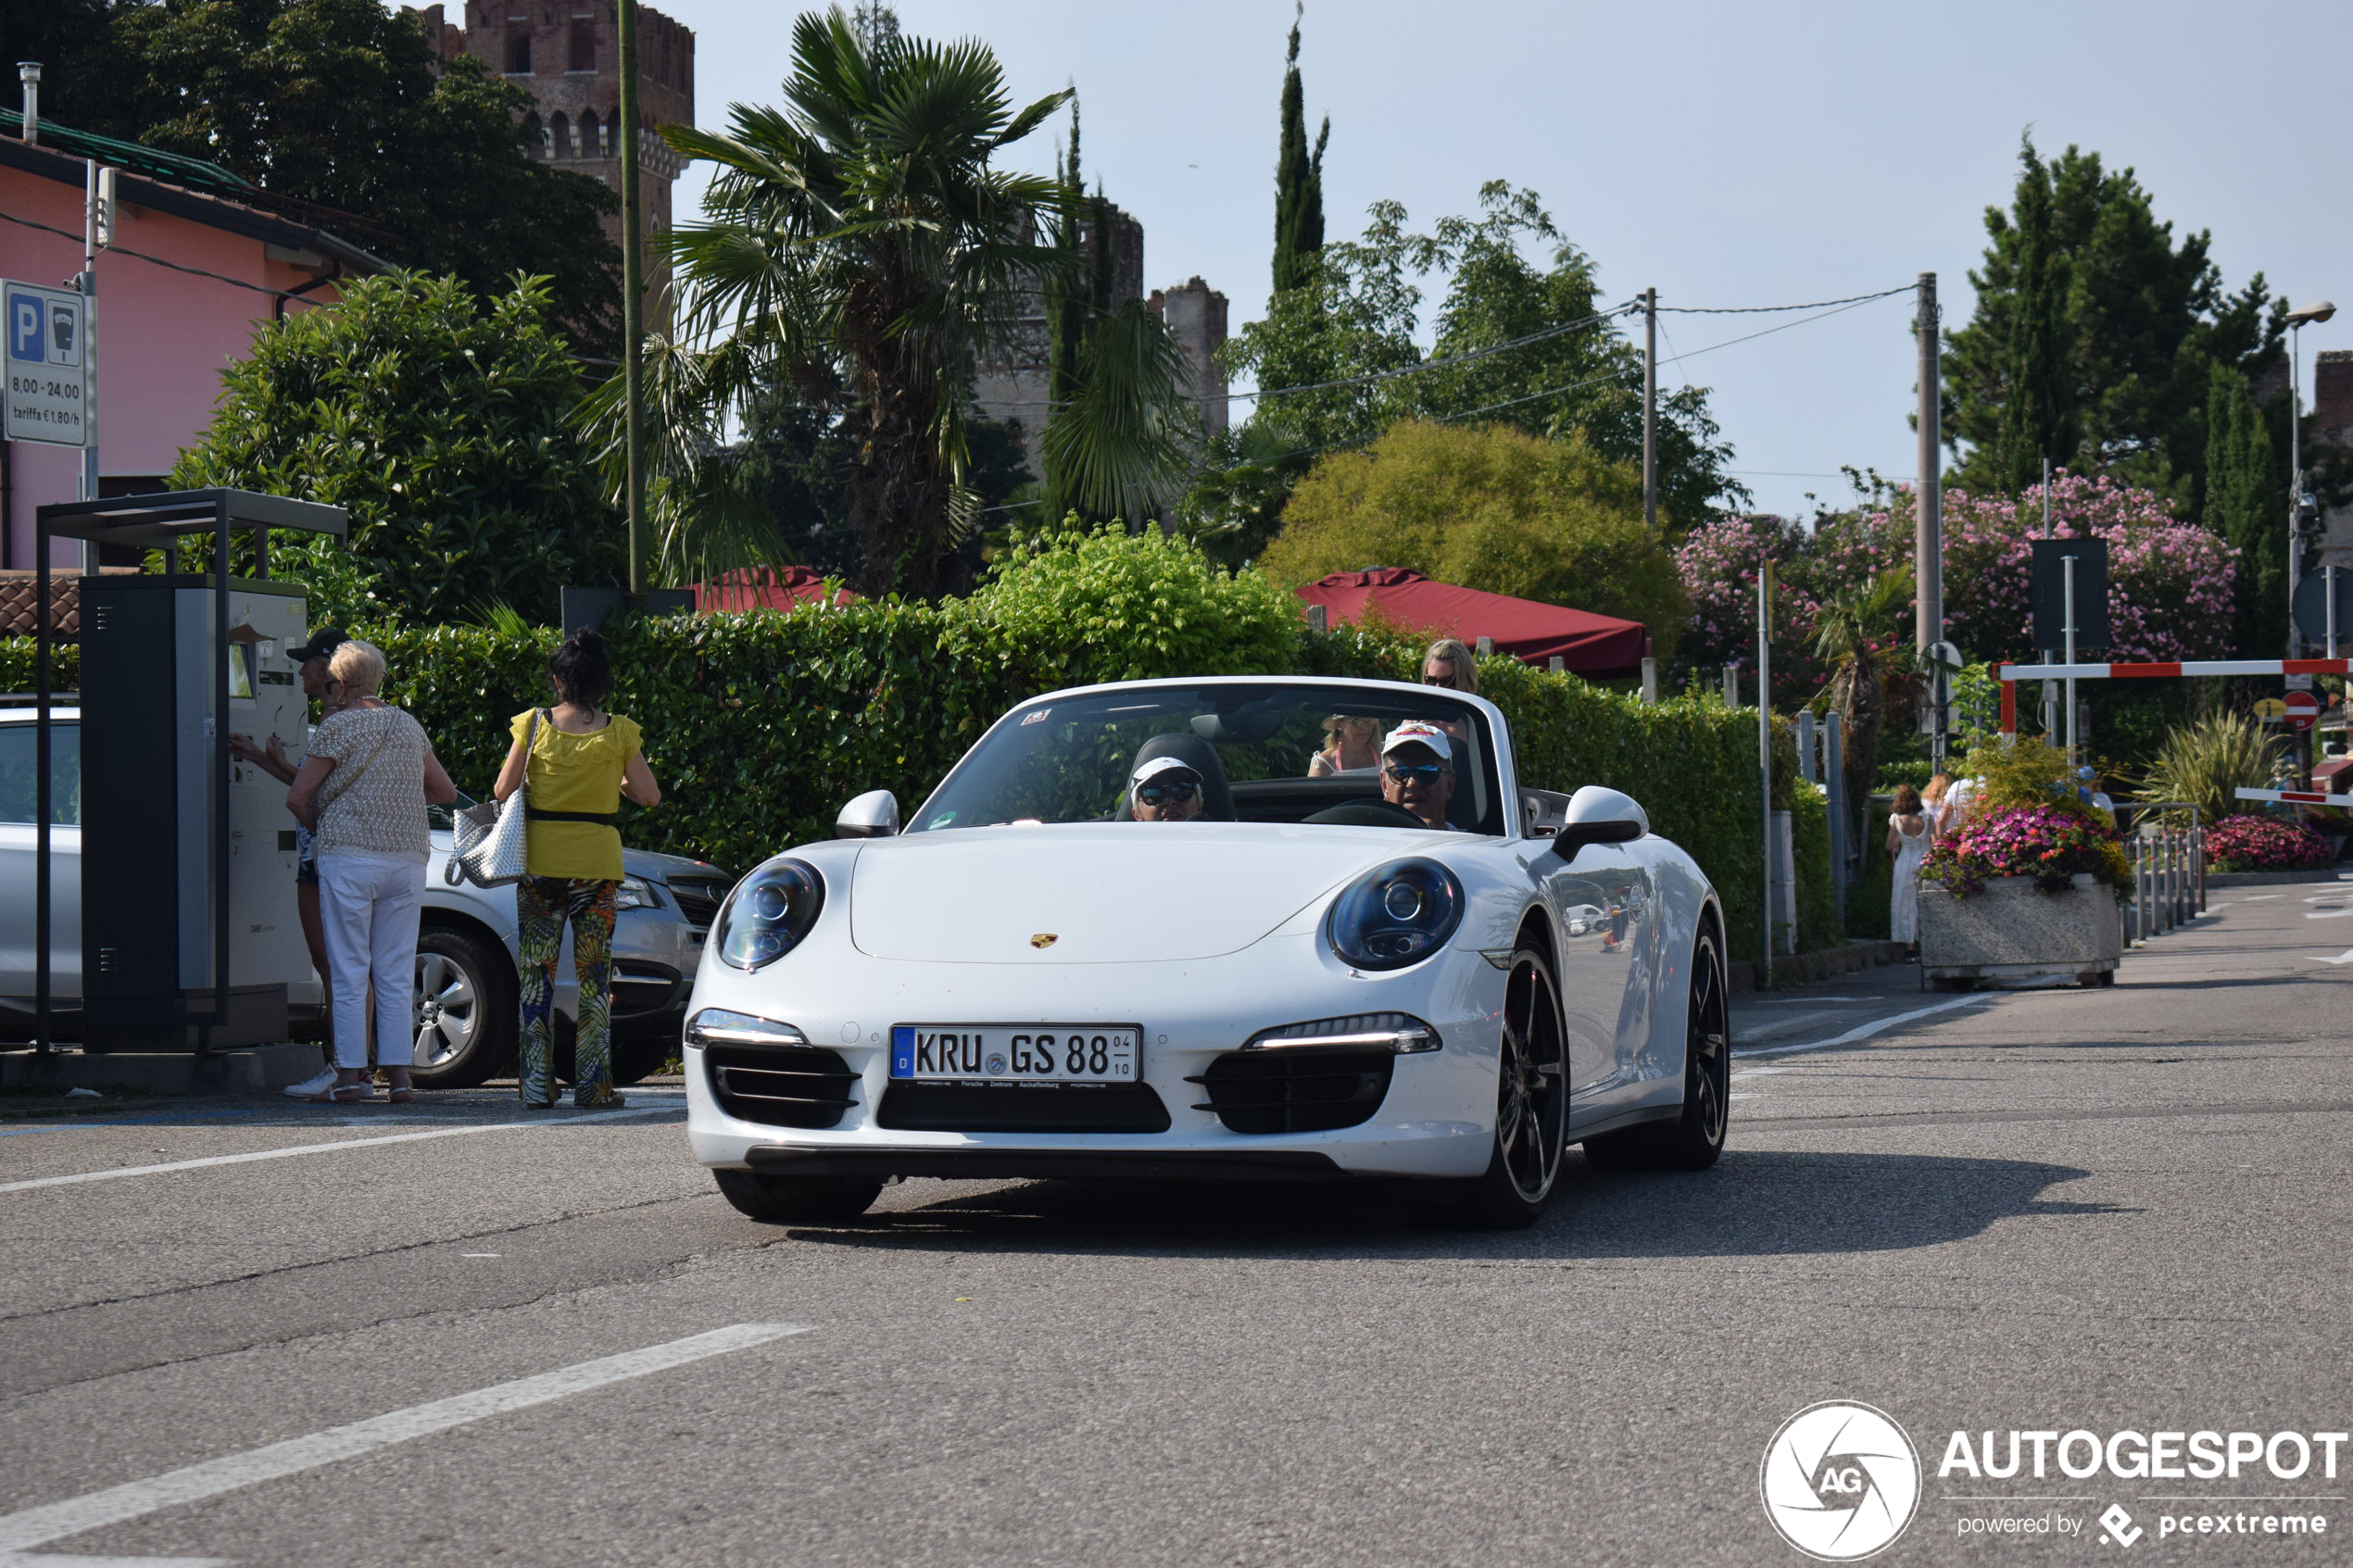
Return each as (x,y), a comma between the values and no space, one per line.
(194,1482)
(2327,914)
(2313,898)
(2258,898)
(321,1148)
(2343,958)
(1804,1001)
(477,1254)
(1759,1072)
(51,1560)
(1783,1025)
(1864,1031)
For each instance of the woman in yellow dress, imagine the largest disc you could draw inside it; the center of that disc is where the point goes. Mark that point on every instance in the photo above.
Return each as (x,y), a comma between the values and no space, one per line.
(579,762)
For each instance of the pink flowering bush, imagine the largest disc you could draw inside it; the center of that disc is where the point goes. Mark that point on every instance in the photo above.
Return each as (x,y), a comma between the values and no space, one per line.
(2264,844)
(2170,580)
(2050,844)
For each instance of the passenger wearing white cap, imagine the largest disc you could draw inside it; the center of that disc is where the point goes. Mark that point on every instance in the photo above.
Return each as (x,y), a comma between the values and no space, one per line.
(1417,771)
(1163,789)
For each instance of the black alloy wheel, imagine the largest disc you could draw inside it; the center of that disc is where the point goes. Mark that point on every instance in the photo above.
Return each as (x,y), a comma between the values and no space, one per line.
(802,1200)
(1531,1102)
(1694,1138)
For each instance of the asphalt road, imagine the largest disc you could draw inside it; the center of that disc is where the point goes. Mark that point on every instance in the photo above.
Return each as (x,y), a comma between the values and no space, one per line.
(2106,1210)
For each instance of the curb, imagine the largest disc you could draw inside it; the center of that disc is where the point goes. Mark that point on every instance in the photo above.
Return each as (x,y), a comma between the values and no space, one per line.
(256,1070)
(1808,969)
(2266,879)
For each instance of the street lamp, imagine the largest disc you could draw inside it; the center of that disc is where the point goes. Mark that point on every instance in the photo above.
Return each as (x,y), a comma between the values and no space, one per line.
(2315,313)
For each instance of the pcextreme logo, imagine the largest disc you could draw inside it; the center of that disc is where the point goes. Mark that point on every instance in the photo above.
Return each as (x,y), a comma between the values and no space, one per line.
(1839,1480)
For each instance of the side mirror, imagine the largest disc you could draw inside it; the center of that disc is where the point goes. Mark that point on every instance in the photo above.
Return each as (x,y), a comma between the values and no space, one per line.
(873,815)
(1599,816)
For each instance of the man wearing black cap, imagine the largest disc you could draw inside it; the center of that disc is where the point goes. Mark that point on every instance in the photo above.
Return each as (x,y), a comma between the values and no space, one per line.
(310,665)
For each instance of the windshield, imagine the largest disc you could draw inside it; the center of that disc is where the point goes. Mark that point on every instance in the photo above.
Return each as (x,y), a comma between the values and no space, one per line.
(1252,752)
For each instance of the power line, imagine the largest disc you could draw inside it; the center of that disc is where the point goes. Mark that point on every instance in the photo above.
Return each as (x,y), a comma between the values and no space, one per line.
(1769,309)
(159,261)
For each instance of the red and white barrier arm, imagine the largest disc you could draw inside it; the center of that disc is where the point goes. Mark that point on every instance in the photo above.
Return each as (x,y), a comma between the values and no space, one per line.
(2296,796)
(2169,671)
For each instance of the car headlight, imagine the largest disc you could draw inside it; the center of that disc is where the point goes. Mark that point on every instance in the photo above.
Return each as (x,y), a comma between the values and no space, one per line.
(1398,1032)
(717,1026)
(1396,915)
(769,912)
(635,893)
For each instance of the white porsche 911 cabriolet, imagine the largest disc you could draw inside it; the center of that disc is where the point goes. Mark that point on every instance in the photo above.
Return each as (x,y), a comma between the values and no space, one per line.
(1174,928)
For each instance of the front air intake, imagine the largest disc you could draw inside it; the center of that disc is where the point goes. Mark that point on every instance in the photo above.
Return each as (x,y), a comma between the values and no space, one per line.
(1301,1089)
(780,1085)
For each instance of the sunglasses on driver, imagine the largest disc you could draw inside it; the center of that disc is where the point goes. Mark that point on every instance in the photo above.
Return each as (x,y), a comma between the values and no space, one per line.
(1406,773)
(1176,790)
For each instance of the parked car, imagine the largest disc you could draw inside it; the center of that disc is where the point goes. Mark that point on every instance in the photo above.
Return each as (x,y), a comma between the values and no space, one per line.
(1305,982)
(468,1013)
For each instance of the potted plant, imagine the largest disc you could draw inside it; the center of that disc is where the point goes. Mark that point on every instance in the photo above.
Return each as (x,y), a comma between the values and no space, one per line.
(2022,888)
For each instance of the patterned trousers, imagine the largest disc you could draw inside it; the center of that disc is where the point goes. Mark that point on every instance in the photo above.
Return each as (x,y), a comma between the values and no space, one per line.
(543,904)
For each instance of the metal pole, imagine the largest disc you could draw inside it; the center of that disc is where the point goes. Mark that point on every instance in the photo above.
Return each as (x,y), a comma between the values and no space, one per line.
(89,348)
(1731,685)
(1805,745)
(632,323)
(41,803)
(2295,479)
(1928,552)
(1835,780)
(2047,497)
(1650,409)
(2328,582)
(2068,564)
(1765,751)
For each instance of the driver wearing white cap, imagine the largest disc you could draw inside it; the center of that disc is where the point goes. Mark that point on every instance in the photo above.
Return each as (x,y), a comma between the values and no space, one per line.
(1417,771)
(1162,789)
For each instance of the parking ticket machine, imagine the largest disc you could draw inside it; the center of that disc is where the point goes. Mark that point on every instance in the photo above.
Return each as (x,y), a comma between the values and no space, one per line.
(189,932)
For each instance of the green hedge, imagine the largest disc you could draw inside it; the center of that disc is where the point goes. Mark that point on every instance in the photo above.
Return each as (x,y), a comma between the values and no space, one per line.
(759,726)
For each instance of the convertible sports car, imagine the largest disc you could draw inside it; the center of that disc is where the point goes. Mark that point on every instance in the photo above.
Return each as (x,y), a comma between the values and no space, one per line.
(1422,969)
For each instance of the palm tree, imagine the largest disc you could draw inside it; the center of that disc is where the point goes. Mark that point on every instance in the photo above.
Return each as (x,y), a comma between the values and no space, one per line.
(1853,633)
(860,250)
(2207,762)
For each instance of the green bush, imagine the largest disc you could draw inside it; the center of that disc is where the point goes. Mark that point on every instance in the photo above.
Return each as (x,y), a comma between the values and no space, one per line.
(759,726)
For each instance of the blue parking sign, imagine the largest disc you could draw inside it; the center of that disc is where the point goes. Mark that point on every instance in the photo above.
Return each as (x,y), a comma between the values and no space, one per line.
(28,318)
(46,382)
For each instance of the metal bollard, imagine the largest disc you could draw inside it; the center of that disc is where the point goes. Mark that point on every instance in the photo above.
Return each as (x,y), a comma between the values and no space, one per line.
(2165,879)
(2198,854)
(2140,887)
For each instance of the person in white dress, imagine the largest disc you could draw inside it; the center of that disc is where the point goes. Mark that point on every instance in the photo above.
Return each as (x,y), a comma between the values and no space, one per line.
(1908,840)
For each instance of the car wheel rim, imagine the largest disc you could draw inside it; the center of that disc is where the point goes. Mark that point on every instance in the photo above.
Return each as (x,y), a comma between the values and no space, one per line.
(1709,1043)
(447,1007)
(1531,1093)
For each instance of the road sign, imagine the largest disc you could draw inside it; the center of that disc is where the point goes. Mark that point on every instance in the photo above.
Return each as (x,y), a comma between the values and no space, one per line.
(44,333)
(2312,606)
(2303,711)
(2271,708)
(2091,593)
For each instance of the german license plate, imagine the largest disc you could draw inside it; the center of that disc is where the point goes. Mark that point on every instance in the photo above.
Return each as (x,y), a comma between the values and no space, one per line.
(1020,1053)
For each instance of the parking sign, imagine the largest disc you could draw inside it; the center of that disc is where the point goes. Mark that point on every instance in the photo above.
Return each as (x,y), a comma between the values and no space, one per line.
(45,331)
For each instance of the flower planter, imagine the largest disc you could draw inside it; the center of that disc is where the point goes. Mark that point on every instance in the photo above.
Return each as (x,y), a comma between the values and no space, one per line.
(2013,935)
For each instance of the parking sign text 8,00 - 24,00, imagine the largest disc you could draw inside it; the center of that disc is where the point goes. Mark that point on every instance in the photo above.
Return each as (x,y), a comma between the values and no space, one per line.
(45,331)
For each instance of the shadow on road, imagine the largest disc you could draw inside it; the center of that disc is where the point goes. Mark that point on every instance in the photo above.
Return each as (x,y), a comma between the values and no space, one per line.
(1761,1203)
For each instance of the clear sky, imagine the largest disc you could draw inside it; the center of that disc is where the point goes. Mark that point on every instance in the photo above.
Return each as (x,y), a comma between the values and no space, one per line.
(1730,154)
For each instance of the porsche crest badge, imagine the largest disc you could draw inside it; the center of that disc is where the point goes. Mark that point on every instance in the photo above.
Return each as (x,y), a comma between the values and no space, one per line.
(1044,939)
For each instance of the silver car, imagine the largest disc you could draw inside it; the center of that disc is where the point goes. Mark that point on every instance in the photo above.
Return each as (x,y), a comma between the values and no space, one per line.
(467,1007)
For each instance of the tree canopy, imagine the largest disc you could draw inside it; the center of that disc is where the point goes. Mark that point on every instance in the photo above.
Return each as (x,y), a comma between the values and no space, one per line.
(345,105)
(440,421)
(1571,368)
(2095,335)
(1488,507)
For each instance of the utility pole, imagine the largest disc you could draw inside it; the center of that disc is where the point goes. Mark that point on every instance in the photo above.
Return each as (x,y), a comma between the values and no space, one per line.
(1928,542)
(1765,755)
(1650,409)
(632,286)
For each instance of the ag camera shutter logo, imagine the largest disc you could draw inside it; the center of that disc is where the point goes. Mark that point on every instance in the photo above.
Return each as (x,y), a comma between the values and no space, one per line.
(1840,1481)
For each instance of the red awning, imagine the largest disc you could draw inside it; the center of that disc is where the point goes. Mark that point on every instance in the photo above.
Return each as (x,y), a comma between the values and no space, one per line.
(762,587)
(1596,646)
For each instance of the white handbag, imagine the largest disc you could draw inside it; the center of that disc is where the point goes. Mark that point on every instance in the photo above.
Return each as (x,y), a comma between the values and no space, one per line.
(488,843)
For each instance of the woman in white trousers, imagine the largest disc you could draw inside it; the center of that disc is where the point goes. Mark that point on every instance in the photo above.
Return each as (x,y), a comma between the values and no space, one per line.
(363,792)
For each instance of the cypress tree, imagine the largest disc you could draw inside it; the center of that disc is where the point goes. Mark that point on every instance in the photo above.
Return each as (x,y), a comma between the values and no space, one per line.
(2244,506)
(1299,179)
(2035,411)
(1065,290)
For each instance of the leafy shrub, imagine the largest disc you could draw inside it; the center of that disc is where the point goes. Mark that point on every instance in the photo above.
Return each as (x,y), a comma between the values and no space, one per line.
(2250,843)
(1489,508)
(2206,762)
(439,420)
(2050,844)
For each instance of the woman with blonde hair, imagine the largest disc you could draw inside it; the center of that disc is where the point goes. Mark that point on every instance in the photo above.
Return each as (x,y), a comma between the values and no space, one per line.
(363,792)
(1353,745)
(1932,802)
(1449,664)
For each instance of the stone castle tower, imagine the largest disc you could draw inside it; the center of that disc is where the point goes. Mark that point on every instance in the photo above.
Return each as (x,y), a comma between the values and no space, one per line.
(567,54)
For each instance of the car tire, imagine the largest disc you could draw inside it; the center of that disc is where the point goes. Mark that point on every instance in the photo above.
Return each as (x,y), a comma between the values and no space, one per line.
(1531,1103)
(1695,1137)
(465,1009)
(808,1200)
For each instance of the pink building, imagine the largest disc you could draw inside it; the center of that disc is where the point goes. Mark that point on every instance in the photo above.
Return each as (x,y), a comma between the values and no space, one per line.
(163,334)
